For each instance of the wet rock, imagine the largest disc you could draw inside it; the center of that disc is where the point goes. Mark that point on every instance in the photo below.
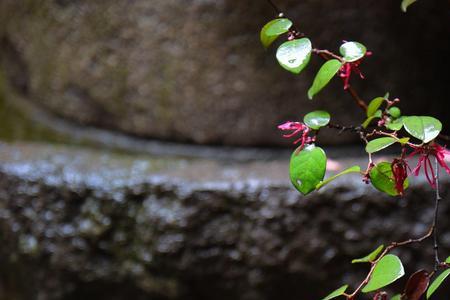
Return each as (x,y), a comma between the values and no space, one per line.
(78,223)
(194,70)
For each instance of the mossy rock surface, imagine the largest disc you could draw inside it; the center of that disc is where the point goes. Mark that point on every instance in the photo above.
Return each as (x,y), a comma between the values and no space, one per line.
(194,71)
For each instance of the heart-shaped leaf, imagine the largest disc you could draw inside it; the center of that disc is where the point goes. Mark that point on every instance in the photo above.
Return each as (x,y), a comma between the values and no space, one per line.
(382,178)
(379,144)
(352,51)
(437,283)
(417,285)
(323,77)
(387,270)
(339,292)
(307,168)
(272,30)
(370,257)
(294,55)
(424,128)
(317,119)
(374,105)
(406,4)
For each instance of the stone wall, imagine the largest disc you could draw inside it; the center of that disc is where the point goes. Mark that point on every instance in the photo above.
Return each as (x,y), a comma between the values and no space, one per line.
(193,71)
(82,224)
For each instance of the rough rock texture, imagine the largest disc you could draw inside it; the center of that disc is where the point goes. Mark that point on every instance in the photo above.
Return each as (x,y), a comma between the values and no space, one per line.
(194,70)
(80,224)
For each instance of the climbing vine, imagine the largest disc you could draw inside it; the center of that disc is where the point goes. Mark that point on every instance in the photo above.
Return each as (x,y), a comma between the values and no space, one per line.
(384,125)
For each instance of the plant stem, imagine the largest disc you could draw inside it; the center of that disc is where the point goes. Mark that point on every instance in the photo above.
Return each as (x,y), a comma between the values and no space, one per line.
(438,199)
(360,102)
(279,12)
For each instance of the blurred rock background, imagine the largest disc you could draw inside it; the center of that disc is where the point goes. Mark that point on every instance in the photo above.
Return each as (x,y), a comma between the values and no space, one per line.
(176,188)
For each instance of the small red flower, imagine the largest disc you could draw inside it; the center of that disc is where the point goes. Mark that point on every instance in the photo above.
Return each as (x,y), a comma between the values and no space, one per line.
(425,152)
(346,70)
(297,128)
(400,171)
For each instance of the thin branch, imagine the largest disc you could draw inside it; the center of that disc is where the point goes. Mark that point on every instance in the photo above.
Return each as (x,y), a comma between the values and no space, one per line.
(275,7)
(360,102)
(438,199)
(444,137)
(326,54)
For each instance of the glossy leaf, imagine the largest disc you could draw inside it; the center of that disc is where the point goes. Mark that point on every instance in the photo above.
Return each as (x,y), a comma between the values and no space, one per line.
(382,178)
(423,128)
(354,169)
(352,51)
(379,144)
(387,270)
(406,4)
(272,30)
(307,168)
(323,77)
(317,119)
(294,55)
(395,125)
(367,122)
(370,257)
(395,112)
(374,105)
(437,283)
(417,285)
(339,292)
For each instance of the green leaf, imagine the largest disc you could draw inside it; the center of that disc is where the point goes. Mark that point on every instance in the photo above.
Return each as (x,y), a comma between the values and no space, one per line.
(447,260)
(307,168)
(395,112)
(339,292)
(424,128)
(323,77)
(379,144)
(437,283)
(354,169)
(272,30)
(395,125)
(406,4)
(367,122)
(396,297)
(374,105)
(352,51)
(294,55)
(382,178)
(370,257)
(317,119)
(387,270)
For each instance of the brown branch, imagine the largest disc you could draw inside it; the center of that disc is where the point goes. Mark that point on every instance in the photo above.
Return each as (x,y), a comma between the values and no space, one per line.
(360,102)
(444,137)
(438,199)
(326,54)
(276,8)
